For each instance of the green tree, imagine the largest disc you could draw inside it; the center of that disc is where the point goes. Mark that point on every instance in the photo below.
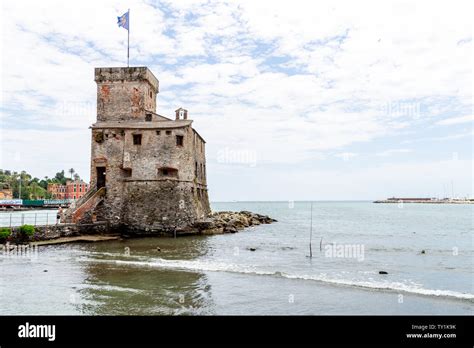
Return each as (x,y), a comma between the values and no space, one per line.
(71,171)
(60,177)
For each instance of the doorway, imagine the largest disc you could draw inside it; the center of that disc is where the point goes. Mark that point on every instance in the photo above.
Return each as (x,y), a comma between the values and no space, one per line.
(100,177)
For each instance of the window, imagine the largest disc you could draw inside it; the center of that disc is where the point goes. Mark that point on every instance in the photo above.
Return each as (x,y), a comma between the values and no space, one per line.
(166,171)
(137,139)
(158,132)
(168,132)
(127,172)
(148,117)
(151,94)
(195,169)
(179,140)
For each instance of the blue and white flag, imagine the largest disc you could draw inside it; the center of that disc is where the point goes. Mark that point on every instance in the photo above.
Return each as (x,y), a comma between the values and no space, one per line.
(123,20)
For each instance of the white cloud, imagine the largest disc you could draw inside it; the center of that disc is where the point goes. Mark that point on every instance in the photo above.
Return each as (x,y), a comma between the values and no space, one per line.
(290,81)
(346,155)
(390,152)
(456,120)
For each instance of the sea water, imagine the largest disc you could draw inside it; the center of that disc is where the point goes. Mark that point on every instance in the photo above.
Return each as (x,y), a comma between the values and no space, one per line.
(426,251)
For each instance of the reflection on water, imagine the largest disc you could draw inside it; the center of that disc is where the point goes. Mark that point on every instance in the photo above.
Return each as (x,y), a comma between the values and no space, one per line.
(118,289)
(83,279)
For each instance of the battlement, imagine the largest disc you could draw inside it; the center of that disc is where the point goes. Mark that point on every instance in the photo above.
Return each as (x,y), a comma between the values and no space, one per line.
(139,73)
(126,94)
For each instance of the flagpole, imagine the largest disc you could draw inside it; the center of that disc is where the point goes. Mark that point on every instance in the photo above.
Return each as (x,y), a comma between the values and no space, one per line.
(128,40)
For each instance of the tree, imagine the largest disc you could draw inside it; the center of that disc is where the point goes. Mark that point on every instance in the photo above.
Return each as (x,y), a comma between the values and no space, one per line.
(77,177)
(72,171)
(60,178)
(44,184)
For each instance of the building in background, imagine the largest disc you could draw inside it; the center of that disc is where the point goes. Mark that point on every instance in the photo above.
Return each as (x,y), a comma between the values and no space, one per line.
(6,193)
(72,190)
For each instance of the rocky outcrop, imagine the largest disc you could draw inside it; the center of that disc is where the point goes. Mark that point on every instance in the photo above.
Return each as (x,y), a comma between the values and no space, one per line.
(228,222)
(216,223)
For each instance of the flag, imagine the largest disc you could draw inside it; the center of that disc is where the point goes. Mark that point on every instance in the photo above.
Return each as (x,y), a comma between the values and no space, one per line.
(123,20)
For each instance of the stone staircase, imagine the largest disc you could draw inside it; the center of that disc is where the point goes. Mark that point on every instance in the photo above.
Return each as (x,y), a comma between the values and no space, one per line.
(84,205)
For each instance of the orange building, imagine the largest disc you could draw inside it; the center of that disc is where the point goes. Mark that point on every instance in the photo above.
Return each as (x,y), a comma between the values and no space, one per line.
(72,190)
(58,191)
(6,194)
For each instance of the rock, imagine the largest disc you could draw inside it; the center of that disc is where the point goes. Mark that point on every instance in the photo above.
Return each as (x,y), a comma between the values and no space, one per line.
(230,229)
(158,249)
(227,222)
(189,230)
(383,272)
(252,249)
(202,225)
(255,222)
(211,231)
(423,252)
(237,223)
(45,270)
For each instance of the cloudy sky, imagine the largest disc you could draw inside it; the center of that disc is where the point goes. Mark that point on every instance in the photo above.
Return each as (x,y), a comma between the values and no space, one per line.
(297,100)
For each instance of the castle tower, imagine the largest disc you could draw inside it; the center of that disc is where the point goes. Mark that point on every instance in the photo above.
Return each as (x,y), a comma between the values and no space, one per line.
(148,172)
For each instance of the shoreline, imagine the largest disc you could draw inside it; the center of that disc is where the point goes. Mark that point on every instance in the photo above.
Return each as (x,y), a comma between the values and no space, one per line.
(217,223)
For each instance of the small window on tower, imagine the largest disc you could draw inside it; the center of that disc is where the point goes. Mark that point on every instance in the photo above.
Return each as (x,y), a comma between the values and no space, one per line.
(148,117)
(168,132)
(151,94)
(179,140)
(158,132)
(165,171)
(137,139)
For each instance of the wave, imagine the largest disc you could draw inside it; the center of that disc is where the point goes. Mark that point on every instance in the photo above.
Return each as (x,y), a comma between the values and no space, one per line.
(233,268)
(111,288)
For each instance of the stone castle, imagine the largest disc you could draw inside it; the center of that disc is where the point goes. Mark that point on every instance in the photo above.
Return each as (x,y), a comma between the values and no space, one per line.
(148,172)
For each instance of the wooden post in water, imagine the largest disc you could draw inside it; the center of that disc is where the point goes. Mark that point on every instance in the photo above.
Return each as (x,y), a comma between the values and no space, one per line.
(10,220)
(35,219)
(311,233)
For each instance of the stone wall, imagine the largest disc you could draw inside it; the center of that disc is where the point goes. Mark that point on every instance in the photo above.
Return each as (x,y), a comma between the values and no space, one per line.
(61,230)
(125,93)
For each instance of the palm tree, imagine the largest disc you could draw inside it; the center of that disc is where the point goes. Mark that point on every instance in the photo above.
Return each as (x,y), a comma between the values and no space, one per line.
(72,171)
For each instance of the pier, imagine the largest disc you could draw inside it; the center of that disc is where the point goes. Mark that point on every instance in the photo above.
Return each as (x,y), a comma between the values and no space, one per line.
(427,200)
